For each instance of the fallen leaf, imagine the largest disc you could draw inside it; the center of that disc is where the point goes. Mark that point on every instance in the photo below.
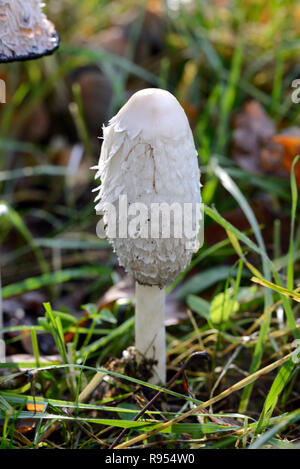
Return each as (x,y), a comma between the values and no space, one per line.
(35,407)
(258,148)
(252,127)
(291,148)
(124,289)
(22,426)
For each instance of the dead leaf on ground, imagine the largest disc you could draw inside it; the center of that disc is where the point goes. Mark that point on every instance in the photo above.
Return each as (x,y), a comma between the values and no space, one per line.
(290,148)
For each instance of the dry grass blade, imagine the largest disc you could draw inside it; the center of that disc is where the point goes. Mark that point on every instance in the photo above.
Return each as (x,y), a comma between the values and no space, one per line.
(283,291)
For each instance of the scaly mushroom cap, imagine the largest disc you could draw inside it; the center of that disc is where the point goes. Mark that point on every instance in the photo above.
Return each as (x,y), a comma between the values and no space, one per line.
(148,154)
(25,32)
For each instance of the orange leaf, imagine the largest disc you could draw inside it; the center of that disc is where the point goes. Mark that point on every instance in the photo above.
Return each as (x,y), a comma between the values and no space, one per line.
(35,407)
(291,148)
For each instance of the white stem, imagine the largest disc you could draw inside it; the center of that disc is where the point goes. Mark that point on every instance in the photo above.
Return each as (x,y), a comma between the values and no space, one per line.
(150,336)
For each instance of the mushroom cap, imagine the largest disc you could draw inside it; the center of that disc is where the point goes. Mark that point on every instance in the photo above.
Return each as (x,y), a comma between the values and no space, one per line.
(25,31)
(148,155)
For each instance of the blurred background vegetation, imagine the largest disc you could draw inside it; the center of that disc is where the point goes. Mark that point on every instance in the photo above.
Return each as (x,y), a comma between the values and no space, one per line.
(231,64)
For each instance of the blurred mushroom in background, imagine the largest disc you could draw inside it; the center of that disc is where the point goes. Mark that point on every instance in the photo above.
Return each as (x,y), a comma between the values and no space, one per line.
(25,31)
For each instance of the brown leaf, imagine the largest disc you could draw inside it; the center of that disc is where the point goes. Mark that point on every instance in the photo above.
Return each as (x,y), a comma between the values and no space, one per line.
(35,407)
(22,426)
(252,128)
(124,289)
(256,146)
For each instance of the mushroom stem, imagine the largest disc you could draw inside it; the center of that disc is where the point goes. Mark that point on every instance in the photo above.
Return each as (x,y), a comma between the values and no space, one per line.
(150,337)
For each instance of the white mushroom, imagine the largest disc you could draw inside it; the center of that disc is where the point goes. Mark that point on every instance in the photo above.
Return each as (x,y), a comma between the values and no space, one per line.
(149,166)
(25,31)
